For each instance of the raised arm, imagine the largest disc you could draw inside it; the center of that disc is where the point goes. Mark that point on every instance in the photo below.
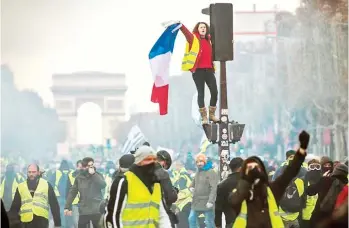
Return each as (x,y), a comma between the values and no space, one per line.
(188,35)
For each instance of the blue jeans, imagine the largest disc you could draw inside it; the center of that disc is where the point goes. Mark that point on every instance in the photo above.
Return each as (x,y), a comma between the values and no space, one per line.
(209,218)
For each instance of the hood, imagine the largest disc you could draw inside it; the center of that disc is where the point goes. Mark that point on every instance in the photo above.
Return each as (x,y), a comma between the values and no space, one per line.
(207,166)
(257,160)
(64,165)
(340,170)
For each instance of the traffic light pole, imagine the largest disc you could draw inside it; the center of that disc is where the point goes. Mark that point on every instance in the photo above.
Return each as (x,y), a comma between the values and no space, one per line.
(224,132)
(223,142)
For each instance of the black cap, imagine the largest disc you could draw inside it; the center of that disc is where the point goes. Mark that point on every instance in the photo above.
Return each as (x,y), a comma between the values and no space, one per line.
(126,161)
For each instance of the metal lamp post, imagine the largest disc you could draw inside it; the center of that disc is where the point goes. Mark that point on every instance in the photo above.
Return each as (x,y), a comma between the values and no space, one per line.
(224,132)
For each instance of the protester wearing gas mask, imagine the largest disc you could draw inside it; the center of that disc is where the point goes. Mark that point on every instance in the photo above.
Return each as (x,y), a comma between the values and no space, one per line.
(255,200)
(126,205)
(169,192)
(89,184)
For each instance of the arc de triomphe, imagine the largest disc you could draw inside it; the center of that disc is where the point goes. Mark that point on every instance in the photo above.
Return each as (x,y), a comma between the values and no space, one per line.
(70,91)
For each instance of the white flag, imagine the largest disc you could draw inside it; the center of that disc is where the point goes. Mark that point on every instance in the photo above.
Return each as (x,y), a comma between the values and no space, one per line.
(134,139)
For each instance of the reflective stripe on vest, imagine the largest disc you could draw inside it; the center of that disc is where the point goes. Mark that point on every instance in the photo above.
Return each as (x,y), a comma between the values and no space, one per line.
(309,207)
(184,197)
(287,216)
(275,219)
(191,55)
(175,176)
(72,180)
(141,210)
(37,205)
(58,178)
(18,179)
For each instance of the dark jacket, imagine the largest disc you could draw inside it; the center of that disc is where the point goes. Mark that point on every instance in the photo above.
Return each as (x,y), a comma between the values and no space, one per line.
(52,200)
(4,219)
(321,188)
(169,192)
(257,209)
(90,188)
(222,205)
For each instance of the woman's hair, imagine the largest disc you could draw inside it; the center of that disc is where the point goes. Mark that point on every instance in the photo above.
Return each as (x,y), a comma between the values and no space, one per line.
(196,28)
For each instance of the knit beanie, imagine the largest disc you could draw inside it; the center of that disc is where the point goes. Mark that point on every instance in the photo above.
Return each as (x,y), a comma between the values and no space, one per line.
(143,152)
(126,161)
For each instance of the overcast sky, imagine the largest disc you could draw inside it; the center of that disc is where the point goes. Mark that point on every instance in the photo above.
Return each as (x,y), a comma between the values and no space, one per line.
(42,37)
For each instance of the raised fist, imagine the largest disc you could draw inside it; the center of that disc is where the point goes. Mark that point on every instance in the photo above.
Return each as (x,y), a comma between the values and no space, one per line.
(304,138)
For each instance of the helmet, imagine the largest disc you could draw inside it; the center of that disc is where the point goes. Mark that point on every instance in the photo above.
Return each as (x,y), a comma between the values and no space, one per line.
(163,155)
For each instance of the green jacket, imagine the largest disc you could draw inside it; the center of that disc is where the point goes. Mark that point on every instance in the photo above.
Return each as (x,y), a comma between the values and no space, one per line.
(90,188)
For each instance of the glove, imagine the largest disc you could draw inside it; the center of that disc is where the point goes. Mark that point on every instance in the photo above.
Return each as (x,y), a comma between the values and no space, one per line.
(252,175)
(304,138)
(209,205)
(169,23)
(191,189)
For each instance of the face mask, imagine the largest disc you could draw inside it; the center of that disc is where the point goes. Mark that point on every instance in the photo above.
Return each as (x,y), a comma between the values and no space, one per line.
(325,169)
(111,171)
(149,169)
(91,170)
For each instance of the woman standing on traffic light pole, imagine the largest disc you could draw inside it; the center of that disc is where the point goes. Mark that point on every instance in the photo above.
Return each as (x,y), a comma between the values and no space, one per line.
(198,60)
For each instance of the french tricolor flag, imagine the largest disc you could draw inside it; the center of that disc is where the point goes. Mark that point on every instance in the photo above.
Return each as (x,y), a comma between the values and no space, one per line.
(160,57)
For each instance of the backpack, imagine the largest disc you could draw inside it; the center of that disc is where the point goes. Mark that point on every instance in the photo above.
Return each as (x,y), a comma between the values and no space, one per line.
(329,201)
(292,200)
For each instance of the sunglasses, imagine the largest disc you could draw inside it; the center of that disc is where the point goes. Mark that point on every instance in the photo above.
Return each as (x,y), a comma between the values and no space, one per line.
(314,167)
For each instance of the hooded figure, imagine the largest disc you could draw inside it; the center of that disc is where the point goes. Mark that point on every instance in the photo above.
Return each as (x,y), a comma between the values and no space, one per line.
(256,200)
(326,165)
(322,188)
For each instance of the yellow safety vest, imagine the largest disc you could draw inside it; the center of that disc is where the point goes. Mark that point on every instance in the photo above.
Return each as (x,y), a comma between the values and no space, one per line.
(275,219)
(141,210)
(309,207)
(184,197)
(37,205)
(175,176)
(18,179)
(191,55)
(58,178)
(287,216)
(271,173)
(72,180)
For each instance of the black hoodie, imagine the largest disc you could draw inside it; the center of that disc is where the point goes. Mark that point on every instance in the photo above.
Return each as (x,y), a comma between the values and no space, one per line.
(257,208)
